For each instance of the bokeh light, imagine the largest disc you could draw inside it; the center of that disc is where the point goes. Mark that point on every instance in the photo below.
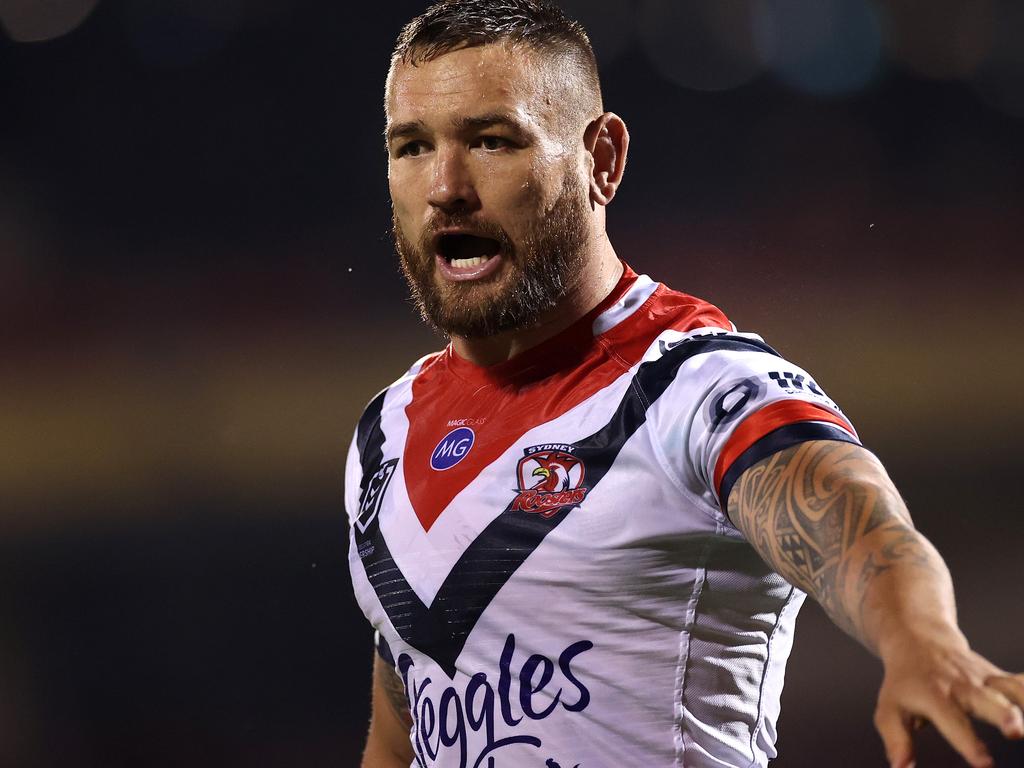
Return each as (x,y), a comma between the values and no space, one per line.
(1000,79)
(706,45)
(941,38)
(33,21)
(820,46)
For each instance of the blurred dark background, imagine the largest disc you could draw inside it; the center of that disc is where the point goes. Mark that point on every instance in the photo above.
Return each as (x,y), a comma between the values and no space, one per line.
(198,295)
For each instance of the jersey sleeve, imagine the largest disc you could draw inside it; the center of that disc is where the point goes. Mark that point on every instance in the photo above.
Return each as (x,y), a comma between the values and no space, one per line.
(353,477)
(734,401)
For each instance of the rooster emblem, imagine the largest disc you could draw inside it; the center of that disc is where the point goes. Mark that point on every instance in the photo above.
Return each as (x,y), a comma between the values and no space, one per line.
(550,478)
(554,473)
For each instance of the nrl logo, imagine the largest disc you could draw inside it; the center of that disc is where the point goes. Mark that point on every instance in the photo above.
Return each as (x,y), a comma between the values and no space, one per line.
(549,478)
(373,493)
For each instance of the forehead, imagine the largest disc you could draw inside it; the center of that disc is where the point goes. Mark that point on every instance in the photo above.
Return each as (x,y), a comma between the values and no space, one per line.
(485,78)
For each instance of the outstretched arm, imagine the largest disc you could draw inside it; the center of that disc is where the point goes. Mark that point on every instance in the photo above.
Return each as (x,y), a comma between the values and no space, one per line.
(826,516)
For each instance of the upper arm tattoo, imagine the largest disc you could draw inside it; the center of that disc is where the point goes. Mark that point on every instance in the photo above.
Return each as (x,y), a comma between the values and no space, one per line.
(394,689)
(824,515)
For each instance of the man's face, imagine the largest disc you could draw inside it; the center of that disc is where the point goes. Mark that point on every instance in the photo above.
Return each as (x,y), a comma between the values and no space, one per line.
(490,201)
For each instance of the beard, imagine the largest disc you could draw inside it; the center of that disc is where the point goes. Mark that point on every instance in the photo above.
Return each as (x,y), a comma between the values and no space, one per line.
(536,275)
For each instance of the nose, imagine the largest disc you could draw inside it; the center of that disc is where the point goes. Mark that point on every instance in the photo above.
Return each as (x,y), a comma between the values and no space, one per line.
(452,189)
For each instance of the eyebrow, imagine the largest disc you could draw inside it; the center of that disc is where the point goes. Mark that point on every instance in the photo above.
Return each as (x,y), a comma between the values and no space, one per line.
(487,120)
(462,124)
(401,130)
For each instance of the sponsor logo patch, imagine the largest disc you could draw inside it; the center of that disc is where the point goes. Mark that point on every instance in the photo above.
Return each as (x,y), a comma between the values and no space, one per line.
(735,400)
(795,383)
(445,717)
(467,422)
(452,449)
(549,478)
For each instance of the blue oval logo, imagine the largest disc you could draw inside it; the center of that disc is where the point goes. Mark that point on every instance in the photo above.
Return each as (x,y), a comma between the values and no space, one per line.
(452,449)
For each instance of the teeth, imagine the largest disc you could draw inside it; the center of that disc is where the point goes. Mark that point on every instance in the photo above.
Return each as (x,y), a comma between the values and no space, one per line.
(463,263)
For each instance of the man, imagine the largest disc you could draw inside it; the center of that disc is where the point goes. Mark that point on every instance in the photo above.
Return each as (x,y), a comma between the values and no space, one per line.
(584,529)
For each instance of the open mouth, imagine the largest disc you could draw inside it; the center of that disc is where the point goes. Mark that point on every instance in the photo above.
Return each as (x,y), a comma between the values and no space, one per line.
(464,251)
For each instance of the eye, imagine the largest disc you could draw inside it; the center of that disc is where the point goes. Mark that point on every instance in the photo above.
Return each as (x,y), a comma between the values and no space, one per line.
(411,149)
(493,143)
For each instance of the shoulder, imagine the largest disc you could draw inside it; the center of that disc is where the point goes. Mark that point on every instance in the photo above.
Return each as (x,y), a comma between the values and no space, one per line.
(688,343)
(651,321)
(644,308)
(697,363)
(683,312)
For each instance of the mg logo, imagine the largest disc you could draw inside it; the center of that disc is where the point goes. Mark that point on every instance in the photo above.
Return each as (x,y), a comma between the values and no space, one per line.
(452,449)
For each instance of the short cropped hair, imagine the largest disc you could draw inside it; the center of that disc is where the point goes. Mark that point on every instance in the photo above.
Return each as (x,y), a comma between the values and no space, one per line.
(539,25)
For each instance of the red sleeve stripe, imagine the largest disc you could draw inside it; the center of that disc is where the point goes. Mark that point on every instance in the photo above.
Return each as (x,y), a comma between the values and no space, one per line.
(768,419)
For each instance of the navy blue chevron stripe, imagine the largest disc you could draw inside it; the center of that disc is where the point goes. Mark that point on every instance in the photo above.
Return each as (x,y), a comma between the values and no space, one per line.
(440,631)
(778,440)
(369,437)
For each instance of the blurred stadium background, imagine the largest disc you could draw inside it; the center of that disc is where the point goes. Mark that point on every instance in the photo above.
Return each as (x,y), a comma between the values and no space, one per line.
(198,295)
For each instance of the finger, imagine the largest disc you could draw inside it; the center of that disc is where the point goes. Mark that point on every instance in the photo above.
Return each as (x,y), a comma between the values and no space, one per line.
(896,736)
(988,704)
(1011,686)
(955,727)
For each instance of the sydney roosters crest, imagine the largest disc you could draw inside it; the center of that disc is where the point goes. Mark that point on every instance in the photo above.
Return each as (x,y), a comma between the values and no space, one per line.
(549,478)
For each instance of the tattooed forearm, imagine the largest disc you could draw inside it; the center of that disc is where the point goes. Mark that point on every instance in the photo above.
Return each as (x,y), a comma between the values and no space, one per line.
(392,685)
(826,517)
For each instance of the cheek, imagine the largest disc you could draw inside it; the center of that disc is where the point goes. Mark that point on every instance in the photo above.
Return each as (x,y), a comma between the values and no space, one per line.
(529,196)
(406,180)
(513,195)
(402,202)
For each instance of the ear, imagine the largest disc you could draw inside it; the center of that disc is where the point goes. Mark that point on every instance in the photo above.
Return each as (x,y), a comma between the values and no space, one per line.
(607,141)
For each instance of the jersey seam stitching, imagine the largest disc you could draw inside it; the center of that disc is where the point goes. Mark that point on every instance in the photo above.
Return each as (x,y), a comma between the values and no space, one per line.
(609,348)
(683,665)
(638,391)
(764,676)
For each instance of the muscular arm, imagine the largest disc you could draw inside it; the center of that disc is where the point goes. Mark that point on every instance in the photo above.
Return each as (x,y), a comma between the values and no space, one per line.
(387,745)
(826,516)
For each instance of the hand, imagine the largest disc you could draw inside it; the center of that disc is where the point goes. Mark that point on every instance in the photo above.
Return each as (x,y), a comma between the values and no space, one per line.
(943,681)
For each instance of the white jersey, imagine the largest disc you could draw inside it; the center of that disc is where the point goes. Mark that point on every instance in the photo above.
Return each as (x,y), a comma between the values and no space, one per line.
(543,550)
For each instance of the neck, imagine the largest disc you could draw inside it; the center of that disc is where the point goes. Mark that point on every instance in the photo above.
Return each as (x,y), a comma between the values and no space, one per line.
(599,278)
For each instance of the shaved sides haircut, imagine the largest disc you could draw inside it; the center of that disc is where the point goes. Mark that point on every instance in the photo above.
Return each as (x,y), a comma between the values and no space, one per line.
(538,26)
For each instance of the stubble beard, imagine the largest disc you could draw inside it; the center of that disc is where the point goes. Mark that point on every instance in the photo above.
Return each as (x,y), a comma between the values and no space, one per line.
(536,275)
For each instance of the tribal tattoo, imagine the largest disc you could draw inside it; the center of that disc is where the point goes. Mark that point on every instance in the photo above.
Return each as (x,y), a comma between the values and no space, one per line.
(392,685)
(826,517)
